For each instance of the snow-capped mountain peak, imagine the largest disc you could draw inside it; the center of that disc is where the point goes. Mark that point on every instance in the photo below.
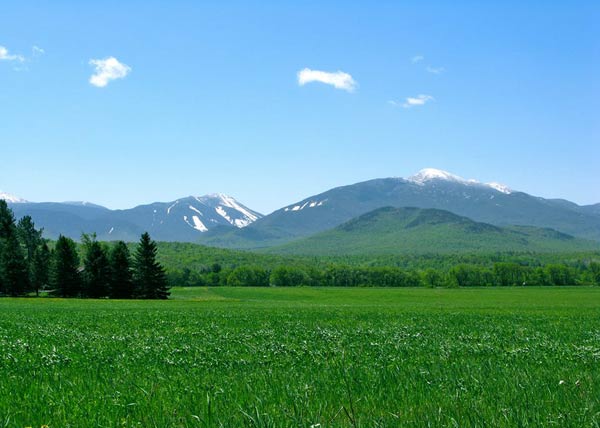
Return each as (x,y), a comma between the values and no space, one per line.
(11,198)
(223,204)
(429,174)
(204,212)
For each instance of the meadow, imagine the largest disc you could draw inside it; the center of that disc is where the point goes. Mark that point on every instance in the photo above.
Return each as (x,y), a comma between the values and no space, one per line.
(305,357)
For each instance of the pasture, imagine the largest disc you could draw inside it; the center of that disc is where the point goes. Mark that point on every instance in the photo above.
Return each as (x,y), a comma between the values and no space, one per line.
(305,357)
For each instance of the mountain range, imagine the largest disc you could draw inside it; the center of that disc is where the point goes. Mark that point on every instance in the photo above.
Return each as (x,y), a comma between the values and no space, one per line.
(181,220)
(490,203)
(220,220)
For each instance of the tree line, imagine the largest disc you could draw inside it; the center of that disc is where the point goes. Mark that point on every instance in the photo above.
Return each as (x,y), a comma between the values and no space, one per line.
(191,265)
(28,264)
(460,275)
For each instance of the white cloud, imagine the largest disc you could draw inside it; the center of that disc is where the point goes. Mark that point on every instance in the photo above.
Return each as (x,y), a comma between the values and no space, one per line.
(435,70)
(409,102)
(419,100)
(107,69)
(338,80)
(5,56)
(37,51)
(417,58)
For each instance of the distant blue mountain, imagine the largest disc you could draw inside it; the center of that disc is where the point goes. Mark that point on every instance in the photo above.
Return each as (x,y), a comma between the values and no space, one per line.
(184,219)
(490,203)
(220,220)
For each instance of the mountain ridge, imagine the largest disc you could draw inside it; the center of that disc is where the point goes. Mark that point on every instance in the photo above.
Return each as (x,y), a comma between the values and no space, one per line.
(490,203)
(220,220)
(179,220)
(410,230)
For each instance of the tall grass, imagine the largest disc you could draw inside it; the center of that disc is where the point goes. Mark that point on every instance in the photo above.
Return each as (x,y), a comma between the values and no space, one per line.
(304,357)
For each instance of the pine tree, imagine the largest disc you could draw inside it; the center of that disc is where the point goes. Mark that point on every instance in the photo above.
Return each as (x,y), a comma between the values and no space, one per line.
(96,269)
(40,268)
(66,279)
(121,279)
(15,277)
(7,220)
(31,239)
(149,276)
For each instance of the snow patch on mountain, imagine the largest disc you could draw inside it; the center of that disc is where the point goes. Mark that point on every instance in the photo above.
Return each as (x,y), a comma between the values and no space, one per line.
(430,174)
(197,223)
(196,210)
(210,210)
(309,204)
(223,214)
(171,207)
(229,209)
(237,222)
(228,201)
(499,187)
(240,223)
(11,198)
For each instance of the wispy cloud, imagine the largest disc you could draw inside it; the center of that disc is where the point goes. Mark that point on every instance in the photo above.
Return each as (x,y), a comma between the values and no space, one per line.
(338,80)
(435,70)
(6,56)
(37,51)
(20,62)
(430,69)
(107,69)
(419,100)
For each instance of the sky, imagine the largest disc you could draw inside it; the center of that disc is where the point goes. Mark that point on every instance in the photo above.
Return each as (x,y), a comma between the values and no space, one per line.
(125,103)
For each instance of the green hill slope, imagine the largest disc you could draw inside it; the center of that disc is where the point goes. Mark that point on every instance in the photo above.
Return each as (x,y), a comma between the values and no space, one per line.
(420,231)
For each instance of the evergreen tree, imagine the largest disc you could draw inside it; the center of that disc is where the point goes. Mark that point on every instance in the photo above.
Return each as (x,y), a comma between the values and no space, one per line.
(15,277)
(66,279)
(121,279)
(40,268)
(7,220)
(13,269)
(31,239)
(149,276)
(96,269)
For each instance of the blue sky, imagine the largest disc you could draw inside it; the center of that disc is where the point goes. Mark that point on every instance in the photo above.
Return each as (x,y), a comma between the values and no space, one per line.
(209,98)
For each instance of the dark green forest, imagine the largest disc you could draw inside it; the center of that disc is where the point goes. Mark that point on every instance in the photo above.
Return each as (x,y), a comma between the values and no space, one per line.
(30,264)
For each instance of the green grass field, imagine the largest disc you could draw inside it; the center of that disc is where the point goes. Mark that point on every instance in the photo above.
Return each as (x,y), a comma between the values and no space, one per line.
(305,357)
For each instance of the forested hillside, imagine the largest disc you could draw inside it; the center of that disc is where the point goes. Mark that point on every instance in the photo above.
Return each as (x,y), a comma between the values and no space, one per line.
(391,230)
